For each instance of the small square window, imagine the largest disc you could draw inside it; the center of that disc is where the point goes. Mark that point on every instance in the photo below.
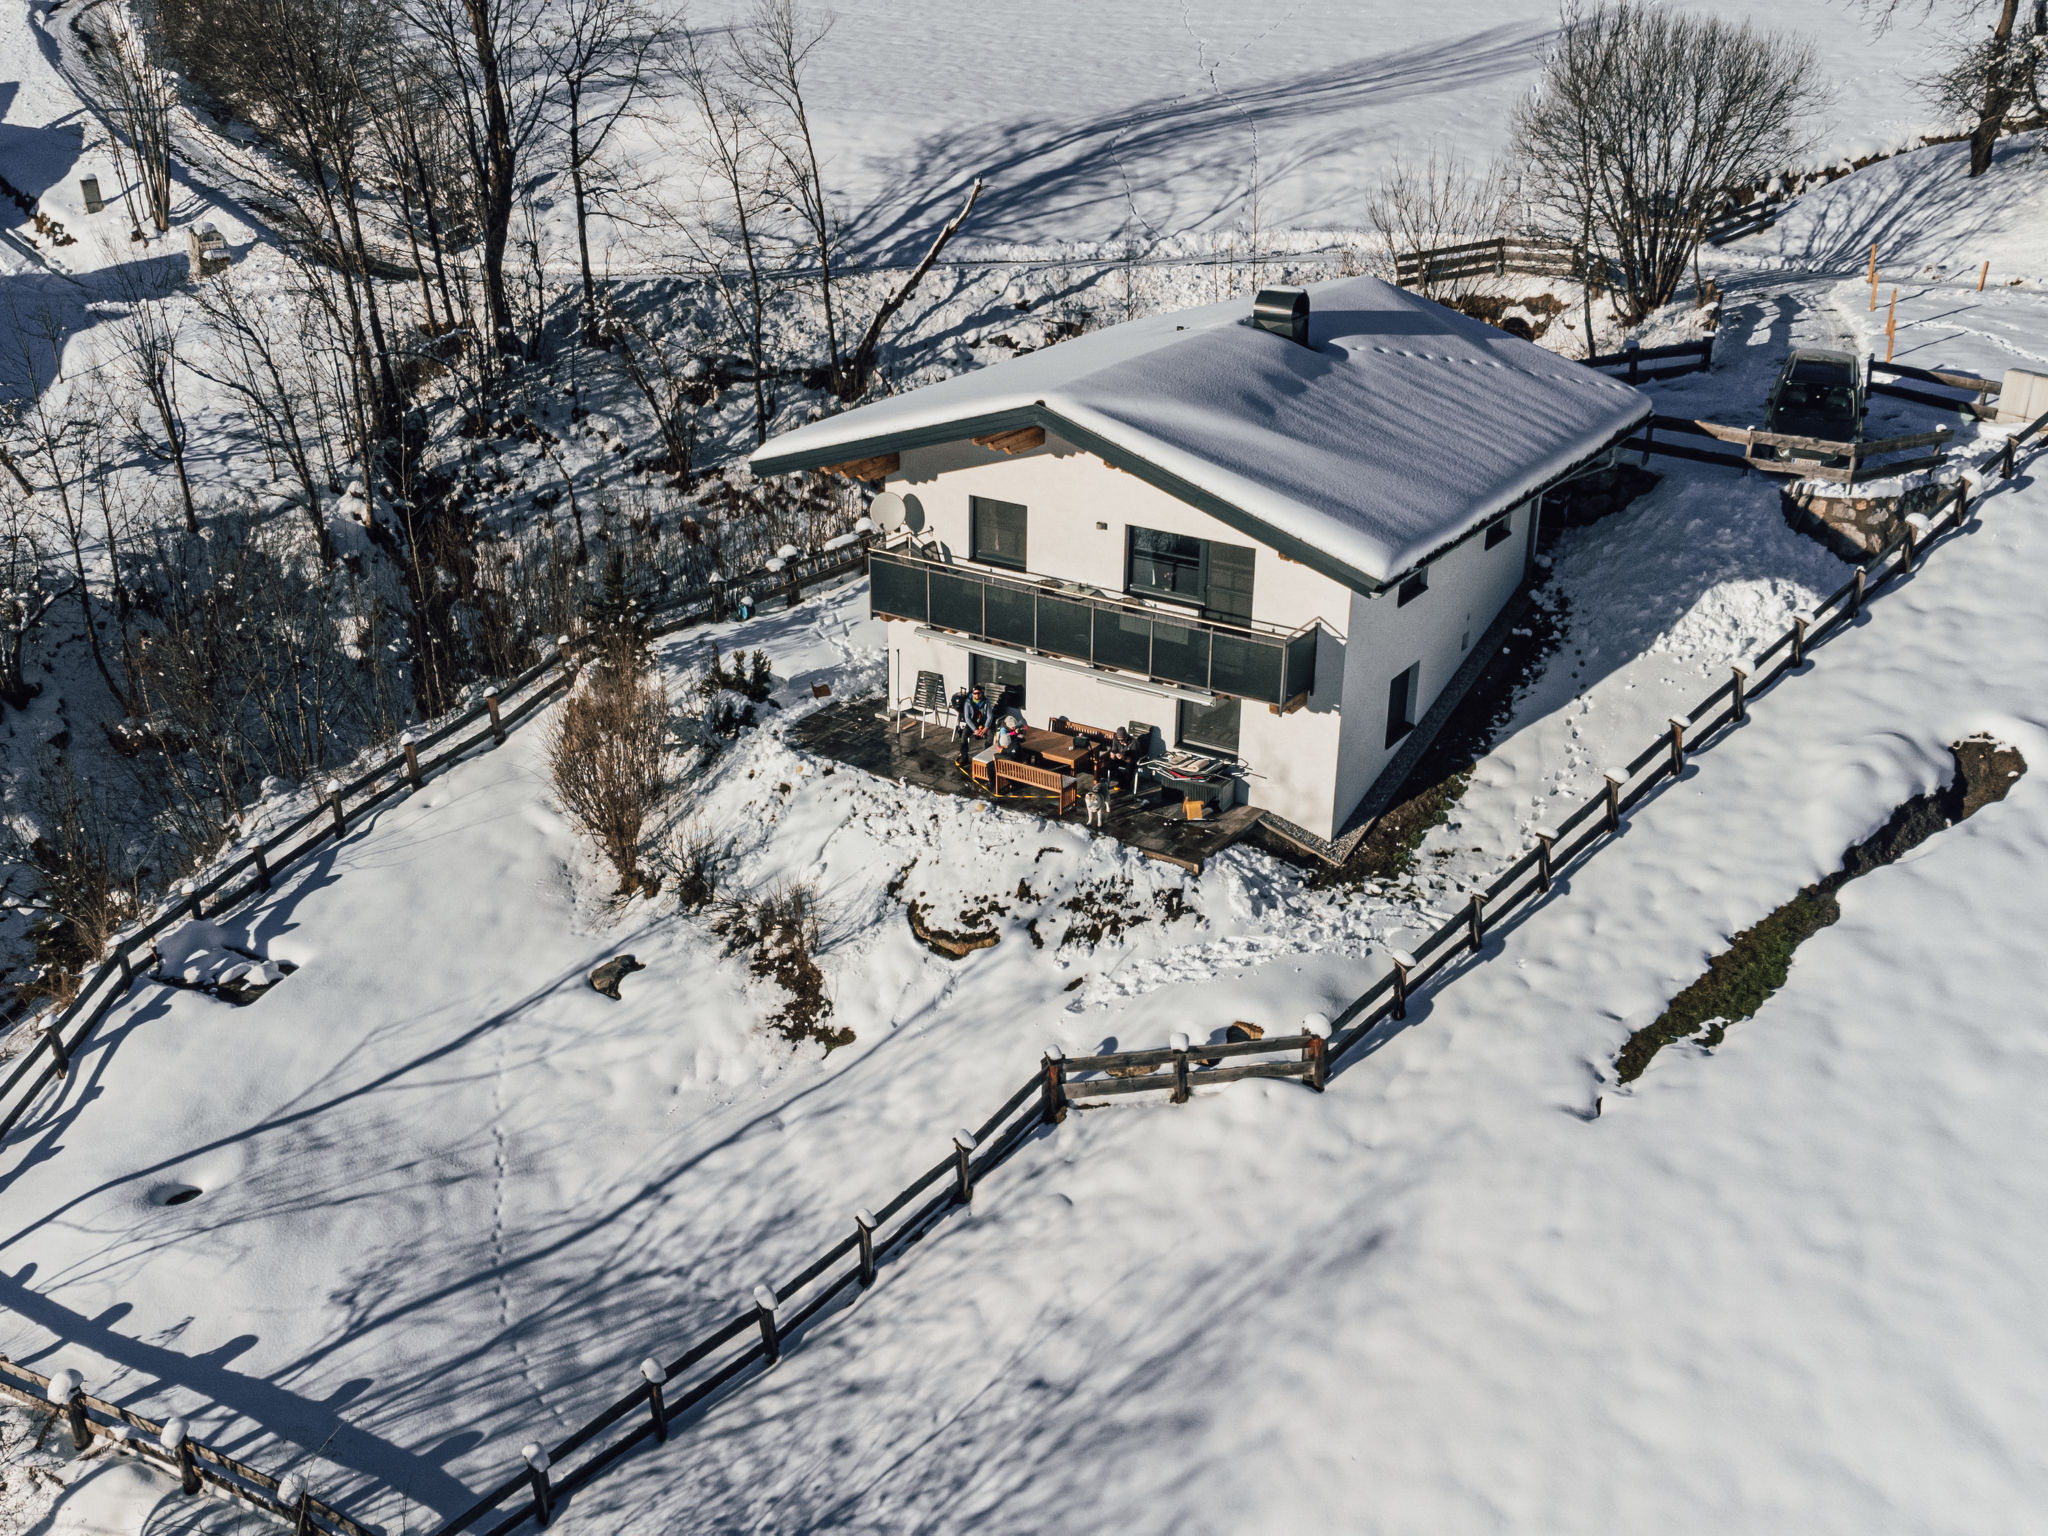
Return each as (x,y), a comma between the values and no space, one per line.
(1413,587)
(1499,532)
(997,532)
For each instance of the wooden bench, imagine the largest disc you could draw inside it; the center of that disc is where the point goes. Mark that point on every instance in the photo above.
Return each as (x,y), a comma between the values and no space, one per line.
(1050,780)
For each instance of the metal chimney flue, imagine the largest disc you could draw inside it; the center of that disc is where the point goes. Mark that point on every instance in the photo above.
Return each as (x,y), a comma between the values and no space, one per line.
(1284,312)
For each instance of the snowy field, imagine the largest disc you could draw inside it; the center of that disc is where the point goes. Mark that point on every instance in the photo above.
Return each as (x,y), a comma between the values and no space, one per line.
(450,1196)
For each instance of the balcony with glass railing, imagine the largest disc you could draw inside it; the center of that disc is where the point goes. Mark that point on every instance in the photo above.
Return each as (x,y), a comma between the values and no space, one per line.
(1246,661)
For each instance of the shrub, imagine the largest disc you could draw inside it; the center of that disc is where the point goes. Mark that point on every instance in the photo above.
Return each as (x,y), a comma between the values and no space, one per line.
(605,754)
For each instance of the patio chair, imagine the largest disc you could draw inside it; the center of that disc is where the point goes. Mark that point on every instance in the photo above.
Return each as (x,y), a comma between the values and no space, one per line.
(927,702)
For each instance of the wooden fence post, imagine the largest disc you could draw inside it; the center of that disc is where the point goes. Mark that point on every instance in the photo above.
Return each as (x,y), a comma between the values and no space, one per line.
(188,896)
(1741,693)
(57,1052)
(412,759)
(1052,1099)
(1856,597)
(1545,838)
(67,1390)
(1475,921)
(1982,273)
(334,803)
(1181,1090)
(1962,505)
(963,1175)
(536,1460)
(296,1495)
(1873,277)
(1634,350)
(2011,446)
(864,1224)
(1403,964)
(1891,325)
(652,1373)
(764,1314)
(1614,778)
(1677,746)
(1906,549)
(1315,1050)
(497,725)
(1799,624)
(262,871)
(175,1440)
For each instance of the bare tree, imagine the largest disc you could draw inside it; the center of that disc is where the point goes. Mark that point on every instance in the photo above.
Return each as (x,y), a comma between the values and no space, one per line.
(147,335)
(605,754)
(1422,206)
(143,96)
(1643,117)
(603,55)
(772,55)
(854,381)
(25,594)
(658,364)
(1991,80)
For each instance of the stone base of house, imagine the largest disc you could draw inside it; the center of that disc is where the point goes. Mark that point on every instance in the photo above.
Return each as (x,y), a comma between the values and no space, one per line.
(1857,528)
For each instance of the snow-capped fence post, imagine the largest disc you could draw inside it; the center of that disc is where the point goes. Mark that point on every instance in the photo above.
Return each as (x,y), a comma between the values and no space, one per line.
(412,759)
(1677,724)
(963,1175)
(1856,597)
(1315,1050)
(764,1314)
(1614,778)
(188,895)
(296,1495)
(1181,1091)
(1053,1087)
(497,725)
(1799,623)
(2006,458)
(654,1375)
(67,1391)
(1544,841)
(179,1444)
(1741,678)
(1475,921)
(536,1460)
(864,1225)
(1907,549)
(334,804)
(1403,964)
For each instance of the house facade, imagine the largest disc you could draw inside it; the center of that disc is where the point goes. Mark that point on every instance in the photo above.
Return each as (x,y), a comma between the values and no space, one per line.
(1209,528)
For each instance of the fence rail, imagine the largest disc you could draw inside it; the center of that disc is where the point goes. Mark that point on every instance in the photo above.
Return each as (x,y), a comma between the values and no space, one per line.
(1856,466)
(756,1336)
(1497,258)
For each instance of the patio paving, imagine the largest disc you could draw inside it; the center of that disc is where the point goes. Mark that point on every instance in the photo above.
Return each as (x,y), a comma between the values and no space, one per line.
(856,734)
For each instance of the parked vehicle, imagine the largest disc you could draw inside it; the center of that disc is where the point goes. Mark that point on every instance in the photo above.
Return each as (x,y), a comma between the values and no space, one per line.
(1818,394)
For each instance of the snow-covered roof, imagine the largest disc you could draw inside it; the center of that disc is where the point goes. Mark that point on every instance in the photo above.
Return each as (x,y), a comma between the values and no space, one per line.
(1401,426)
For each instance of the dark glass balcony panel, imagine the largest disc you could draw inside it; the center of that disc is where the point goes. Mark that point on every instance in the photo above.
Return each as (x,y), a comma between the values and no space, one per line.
(1180,653)
(1010,615)
(956,602)
(1246,665)
(896,588)
(1123,639)
(1301,666)
(1065,628)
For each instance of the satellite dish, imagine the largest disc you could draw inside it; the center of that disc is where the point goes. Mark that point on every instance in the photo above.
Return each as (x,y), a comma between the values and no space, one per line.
(887,511)
(913,514)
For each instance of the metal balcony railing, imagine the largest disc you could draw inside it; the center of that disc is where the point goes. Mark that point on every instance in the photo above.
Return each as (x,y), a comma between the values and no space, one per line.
(1258,662)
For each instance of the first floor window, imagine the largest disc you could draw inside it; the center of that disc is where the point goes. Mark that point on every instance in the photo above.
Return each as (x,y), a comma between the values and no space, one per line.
(1210,727)
(1001,682)
(1402,694)
(997,532)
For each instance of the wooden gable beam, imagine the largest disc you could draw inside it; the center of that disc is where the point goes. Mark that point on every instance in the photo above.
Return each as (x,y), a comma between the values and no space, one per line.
(1022,440)
(880,467)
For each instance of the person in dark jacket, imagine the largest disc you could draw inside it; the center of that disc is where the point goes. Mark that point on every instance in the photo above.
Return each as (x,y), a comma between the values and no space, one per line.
(977,714)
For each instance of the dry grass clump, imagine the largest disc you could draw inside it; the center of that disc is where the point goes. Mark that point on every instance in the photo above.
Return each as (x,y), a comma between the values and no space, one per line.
(605,754)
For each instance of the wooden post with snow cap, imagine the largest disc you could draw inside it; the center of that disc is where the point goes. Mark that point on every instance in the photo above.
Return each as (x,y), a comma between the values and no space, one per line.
(1052,1098)
(1677,724)
(1403,964)
(188,897)
(497,725)
(1916,529)
(1739,672)
(652,1373)
(536,1459)
(1181,1090)
(67,1390)
(1856,596)
(1315,1050)
(1800,623)
(1545,841)
(864,1225)
(296,1495)
(1614,778)
(963,1175)
(334,804)
(2006,455)
(412,759)
(764,1314)
(175,1440)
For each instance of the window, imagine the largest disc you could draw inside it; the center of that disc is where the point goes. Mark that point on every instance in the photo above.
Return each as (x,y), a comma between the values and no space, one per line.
(997,532)
(1001,681)
(1413,588)
(1402,694)
(1498,532)
(1210,727)
(1182,569)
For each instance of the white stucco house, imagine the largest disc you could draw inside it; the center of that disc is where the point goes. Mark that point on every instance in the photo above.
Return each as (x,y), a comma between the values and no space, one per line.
(1274,532)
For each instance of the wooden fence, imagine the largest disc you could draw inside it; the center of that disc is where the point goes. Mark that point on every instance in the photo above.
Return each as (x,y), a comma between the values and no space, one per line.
(756,1336)
(1631,359)
(1870,459)
(1497,258)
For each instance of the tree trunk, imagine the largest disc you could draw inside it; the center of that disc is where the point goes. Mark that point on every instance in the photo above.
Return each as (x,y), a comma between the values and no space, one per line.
(1997,90)
(498,169)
